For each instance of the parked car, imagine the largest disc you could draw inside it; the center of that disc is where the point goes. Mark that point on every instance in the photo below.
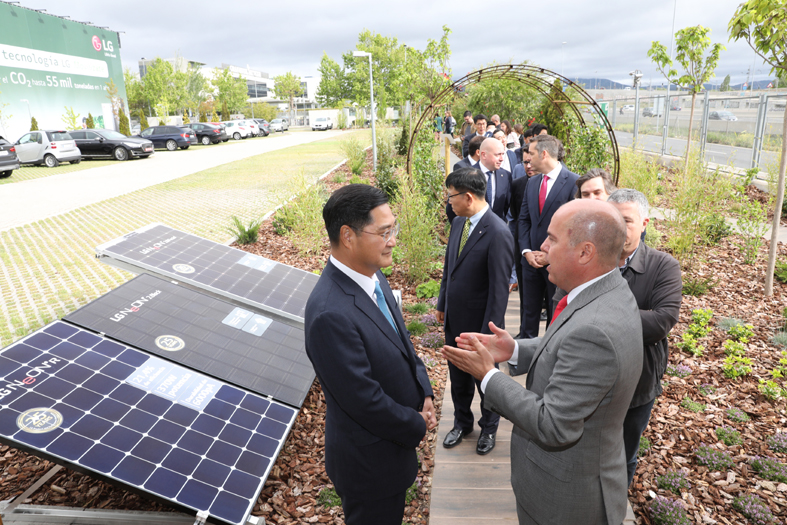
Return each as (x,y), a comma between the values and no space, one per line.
(265,127)
(651,112)
(255,128)
(629,107)
(279,124)
(322,123)
(170,137)
(722,115)
(8,159)
(48,147)
(237,129)
(208,133)
(98,143)
(223,130)
(675,107)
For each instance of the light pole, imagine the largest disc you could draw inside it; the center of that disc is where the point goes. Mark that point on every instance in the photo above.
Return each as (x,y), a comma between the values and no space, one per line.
(371,92)
(637,76)
(562,57)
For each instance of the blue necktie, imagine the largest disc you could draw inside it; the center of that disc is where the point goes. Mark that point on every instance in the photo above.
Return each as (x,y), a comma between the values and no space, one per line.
(489,196)
(378,293)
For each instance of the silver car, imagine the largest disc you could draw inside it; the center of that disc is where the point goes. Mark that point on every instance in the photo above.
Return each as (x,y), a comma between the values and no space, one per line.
(280,124)
(48,147)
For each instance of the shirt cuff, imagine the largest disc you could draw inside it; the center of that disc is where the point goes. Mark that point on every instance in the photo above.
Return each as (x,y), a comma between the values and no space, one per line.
(525,251)
(486,379)
(515,356)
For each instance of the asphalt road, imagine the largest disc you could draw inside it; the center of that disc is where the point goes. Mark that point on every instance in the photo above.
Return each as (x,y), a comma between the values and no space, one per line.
(716,153)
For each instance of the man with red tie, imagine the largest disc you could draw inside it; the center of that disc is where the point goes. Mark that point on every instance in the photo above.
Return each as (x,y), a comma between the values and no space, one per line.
(545,193)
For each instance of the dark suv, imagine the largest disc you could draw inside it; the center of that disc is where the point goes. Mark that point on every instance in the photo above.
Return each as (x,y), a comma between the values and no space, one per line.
(170,137)
(207,133)
(265,128)
(8,159)
(97,143)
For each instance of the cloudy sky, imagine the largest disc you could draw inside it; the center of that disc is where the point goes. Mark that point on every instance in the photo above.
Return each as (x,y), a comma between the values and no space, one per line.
(602,39)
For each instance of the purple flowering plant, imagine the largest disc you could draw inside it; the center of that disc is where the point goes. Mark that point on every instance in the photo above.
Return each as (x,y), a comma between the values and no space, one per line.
(665,511)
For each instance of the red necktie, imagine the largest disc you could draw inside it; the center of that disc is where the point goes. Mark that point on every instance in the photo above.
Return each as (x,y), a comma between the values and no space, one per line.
(561,305)
(542,194)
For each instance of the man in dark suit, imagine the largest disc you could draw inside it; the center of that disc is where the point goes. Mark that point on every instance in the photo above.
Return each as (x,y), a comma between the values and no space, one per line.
(654,279)
(567,460)
(377,391)
(498,180)
(473,291)
(544,194)
(467,162)
(522,173)
(478,131)
(510,159)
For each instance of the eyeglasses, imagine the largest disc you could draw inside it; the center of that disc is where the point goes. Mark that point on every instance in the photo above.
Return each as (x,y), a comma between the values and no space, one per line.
(387,235)
(448,199)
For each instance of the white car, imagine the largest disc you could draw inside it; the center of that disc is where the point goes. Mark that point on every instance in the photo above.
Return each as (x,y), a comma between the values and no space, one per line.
(322,123)
(48,147)
(255,128)
(628,107)
(279,124)
(237,129)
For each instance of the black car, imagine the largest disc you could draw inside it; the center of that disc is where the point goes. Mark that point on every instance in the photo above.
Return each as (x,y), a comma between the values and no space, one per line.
(208,133)
(170,137)
(265,127)
(8,159)
(97,143)
(221,125)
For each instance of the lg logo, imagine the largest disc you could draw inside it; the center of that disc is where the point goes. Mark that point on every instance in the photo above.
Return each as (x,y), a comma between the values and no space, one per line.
(98,44)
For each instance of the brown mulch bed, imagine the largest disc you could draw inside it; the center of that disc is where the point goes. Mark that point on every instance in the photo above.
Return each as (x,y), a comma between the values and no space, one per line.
(675,432)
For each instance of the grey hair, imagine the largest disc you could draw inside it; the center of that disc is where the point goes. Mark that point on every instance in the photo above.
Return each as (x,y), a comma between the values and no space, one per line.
(625,195)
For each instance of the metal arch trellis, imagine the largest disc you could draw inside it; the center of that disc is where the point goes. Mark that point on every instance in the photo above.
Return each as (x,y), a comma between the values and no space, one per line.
(541,80)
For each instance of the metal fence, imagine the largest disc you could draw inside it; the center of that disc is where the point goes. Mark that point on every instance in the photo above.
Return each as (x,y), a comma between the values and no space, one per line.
(733,129)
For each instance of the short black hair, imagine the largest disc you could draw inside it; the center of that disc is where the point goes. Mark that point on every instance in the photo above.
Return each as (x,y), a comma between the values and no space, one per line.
(480,116)
(538,128)
(468,113)
(475,144)
(528,133)
(467,179)
(351,205)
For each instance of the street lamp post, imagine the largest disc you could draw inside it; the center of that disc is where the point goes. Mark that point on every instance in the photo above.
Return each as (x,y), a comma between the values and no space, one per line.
(371,91)
(637,76)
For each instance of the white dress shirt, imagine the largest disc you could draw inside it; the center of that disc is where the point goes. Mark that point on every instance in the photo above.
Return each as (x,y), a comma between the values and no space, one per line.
(366,283)
(551,178)
(515,356)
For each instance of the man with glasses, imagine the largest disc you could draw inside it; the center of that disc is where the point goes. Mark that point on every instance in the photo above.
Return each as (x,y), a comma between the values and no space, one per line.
(473,292)
(376,388)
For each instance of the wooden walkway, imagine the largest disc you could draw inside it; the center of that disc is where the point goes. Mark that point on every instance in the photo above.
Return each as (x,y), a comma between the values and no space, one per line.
(468,489)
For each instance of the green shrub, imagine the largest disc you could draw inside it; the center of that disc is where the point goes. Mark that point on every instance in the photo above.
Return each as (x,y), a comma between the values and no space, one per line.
(644,446)
(328,498)
(716,228)
(283,220)
(688,404)
(417,221)
(728,435)
(752,224)
(780,272)
(737,415)
(702,317)
(353,150)
(707,389)
(725,323)
(734,348)
(697,286)
(741,332)
(339,178)
(355,179)
(33,124)
(417,328)
(123,126)
(412,493)
(653,237)
(341,120)
(673,481)
(307,229)
(769,468)
(427,290)
(244,234)
(689,344)
(735,367)
(416,308)
(780,338)
(771,390)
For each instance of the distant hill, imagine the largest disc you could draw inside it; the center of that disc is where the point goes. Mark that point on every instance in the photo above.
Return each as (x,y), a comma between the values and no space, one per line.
(600,83)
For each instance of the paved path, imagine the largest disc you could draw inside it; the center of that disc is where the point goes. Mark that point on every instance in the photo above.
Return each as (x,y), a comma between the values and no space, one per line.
(468,489)
(30,201)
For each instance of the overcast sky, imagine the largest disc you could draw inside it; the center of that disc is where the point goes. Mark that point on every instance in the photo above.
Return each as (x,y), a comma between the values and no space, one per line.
(603,39)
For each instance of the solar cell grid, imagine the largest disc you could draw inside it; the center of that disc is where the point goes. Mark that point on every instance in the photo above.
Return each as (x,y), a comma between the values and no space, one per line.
(217,268)
(126,429)
(261,354)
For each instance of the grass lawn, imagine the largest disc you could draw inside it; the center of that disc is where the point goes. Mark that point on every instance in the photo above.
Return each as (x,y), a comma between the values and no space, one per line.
(48,268)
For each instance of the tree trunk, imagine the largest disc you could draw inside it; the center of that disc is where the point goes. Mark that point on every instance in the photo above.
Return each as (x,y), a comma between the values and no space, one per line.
(777,213)
(691,121)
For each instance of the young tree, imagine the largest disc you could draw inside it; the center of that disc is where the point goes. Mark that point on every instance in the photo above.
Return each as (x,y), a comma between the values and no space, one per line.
(136,98)
(725,84)
(186,118)
(698,59)
(157,86)
(70,120)
(262,110)
(114,99)
(763,24)
(225,112)
(89,122)
(287,87)
(230,91)
(123,125)
(143,120)
(33,124)
(333,86)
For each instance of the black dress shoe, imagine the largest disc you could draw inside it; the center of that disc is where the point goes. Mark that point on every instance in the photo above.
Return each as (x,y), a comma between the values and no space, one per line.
(486,442)
(454,437)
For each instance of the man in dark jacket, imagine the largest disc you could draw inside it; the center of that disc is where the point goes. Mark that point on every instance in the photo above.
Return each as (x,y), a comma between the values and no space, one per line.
(654,279)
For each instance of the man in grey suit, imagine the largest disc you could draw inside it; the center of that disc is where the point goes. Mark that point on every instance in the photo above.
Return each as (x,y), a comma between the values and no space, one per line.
(567,456)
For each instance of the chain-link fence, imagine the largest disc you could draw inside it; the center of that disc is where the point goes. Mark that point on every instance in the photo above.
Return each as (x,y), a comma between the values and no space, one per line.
(739,130)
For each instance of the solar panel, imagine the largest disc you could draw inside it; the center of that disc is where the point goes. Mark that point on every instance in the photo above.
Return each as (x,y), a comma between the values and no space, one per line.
(256,352)
(85,401)
(215,268)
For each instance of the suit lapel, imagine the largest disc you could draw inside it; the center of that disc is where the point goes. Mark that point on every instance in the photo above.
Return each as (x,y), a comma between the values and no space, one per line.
(552,197)
(474,237)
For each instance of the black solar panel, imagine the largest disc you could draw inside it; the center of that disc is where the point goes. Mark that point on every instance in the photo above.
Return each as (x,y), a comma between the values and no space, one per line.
(215,268)
(85,401)
(240,347)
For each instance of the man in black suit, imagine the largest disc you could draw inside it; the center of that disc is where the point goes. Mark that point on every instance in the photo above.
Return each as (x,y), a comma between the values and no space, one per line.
(478,131)
(467,162)
(544,194)
(473,291)
(376,388)
(522,172)
(498,180)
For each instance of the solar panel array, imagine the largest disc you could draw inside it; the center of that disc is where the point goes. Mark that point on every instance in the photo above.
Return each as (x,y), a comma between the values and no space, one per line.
(79,398)
(244,277)
(259,353)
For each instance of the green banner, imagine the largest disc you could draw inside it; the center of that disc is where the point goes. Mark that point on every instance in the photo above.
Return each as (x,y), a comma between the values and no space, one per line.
(49,64)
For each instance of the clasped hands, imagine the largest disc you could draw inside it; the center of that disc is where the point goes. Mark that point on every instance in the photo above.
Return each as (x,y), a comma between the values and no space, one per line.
(428,413)
(536,258)
(478,353)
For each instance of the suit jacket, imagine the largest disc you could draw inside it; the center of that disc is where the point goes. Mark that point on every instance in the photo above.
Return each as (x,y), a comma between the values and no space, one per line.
(518,153)
(502,190)
(466,162)
(466,141)
(374,386)
(512,160)
(474,288)
(567,456)
(532,224)
(518,187)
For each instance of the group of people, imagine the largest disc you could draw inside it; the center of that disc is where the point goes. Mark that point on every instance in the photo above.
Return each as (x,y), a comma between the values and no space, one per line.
(575,244)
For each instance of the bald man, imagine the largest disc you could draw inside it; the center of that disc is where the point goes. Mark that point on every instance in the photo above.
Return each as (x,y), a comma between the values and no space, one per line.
(498,180)
(567,456)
